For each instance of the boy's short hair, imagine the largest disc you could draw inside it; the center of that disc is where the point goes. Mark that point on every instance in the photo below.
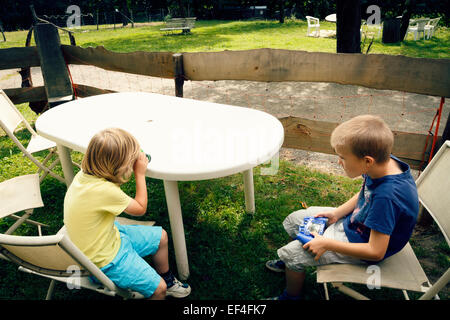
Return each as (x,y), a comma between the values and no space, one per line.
(364,135)
(111,154)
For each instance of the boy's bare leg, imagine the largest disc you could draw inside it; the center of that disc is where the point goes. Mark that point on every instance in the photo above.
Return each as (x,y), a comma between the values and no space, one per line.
(161,257)
(160,292)
(294,282)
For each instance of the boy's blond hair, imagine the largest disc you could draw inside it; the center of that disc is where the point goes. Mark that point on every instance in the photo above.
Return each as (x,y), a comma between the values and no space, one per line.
(111,154)
(364,135)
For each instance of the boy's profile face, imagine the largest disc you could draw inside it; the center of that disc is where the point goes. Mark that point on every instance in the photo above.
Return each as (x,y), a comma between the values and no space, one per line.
(352,165)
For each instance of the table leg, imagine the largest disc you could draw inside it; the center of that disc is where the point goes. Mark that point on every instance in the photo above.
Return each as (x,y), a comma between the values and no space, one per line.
(249,191)
(66,163)
(176,225)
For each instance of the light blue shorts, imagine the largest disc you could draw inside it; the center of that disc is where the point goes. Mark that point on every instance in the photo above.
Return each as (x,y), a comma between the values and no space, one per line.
(128,269)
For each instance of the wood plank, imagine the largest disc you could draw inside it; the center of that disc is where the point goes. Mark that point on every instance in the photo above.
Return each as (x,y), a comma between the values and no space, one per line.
(154,64)
(22,95)
(378,71)
(12,58)
(83,91)
(311,135)
(54,70)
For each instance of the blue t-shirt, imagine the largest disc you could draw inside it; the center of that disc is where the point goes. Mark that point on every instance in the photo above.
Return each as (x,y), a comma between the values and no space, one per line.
(389,205)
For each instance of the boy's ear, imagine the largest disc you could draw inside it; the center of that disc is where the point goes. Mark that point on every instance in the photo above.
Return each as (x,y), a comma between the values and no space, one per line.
(369,161)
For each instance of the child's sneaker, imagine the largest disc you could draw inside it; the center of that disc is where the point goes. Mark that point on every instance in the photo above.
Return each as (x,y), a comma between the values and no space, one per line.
(276,265)
(178,289)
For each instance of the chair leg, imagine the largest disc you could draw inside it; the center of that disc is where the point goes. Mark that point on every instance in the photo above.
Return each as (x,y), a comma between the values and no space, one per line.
(325,287)
(21,220)
(51,287)
(348,291)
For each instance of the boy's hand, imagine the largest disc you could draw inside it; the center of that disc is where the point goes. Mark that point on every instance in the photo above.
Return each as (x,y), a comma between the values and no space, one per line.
(332,218)
(140,165)
(316,246)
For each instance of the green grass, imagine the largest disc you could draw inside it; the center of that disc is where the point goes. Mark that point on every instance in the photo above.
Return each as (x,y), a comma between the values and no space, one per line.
(237,35)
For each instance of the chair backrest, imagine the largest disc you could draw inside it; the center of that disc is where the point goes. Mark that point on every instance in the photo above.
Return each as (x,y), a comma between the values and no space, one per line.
(20,193)
(433,186)
(10,117)
(434,22)
(421,23)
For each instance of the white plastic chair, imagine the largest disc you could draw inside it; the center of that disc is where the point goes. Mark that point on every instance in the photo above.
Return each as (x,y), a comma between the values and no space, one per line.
(54,257)
(10,118)
(431,27)
(416,27)
(20,194)
(313,23)
(402,270)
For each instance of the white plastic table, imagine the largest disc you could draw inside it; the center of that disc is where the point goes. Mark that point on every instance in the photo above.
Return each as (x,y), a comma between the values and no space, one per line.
(187,139)
(331,17)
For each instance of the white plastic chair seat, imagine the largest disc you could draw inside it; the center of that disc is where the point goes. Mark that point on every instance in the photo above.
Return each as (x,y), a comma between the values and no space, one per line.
(38,143)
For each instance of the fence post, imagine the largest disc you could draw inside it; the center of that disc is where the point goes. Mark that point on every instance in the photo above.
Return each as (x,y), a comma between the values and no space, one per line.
(179,74)
(58,86)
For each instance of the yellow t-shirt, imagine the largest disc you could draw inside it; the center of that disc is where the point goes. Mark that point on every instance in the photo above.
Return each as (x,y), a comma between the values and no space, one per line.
(90,206)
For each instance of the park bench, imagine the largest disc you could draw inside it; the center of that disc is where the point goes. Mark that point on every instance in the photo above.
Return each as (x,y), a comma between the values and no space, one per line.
(185,24)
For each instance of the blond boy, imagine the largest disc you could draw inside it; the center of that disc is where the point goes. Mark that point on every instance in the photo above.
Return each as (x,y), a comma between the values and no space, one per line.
(91,204)
(374,224)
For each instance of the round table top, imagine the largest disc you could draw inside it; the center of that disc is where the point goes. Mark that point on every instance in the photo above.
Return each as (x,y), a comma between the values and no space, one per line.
(187,139)
(331,17)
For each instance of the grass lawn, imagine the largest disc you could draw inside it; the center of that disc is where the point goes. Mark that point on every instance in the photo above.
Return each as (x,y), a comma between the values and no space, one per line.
(227,247)
(237,35)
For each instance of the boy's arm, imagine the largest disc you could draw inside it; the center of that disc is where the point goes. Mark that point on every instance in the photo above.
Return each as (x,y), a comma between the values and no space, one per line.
(347,207)
(374,250)
(340,211)
(138,205)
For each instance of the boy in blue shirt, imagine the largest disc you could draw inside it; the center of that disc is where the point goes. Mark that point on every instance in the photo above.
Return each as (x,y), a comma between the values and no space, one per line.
(374,224)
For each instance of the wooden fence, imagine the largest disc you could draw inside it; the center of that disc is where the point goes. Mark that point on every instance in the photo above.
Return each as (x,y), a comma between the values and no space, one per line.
(378,71)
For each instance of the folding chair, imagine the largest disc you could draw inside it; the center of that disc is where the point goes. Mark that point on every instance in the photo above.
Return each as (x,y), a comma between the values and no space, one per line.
(402,270)
(20,194)
(56,257)
(10,118)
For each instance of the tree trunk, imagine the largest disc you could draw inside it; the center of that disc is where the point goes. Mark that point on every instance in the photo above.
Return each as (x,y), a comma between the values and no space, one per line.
(281,11)
(348,24)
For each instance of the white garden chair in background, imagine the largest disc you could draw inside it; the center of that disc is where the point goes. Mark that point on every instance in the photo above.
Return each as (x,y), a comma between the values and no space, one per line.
(313,23)
(431,27)
(10,119)
(54,257)
(402,270)
(416,27)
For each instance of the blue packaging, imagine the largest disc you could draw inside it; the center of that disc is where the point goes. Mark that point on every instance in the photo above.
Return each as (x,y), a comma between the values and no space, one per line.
(311,224)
